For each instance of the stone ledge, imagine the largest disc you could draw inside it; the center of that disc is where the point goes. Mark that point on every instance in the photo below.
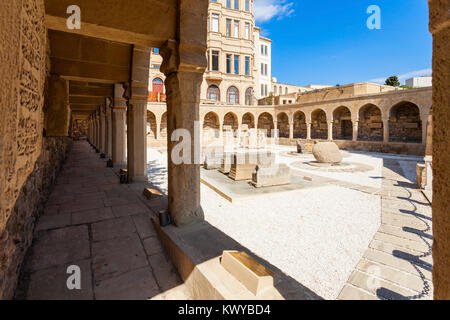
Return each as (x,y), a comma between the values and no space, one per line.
(196,251)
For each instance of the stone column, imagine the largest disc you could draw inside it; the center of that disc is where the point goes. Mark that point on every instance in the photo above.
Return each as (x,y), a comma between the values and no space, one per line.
(97,133)
(137,140)
(330,129)
(118,136)
(355,130)
(385,130)
(136,95)
(108,151)
(119,109)
(424,119)
(440,28)
(291,130)
(308,131)
(102,130)
(184,74)
(158,129)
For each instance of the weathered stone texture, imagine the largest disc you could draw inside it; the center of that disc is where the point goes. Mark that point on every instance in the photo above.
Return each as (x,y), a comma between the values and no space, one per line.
(17,235)
(27,163)
(440,27)
(327,152)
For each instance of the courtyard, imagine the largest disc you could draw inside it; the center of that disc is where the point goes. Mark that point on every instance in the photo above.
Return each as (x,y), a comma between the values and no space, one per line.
(338,189)
(337,232)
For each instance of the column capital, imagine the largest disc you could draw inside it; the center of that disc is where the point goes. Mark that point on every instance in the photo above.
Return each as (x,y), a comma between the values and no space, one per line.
(182,58)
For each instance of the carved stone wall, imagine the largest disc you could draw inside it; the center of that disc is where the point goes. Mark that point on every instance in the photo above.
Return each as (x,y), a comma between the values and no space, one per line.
(23,70)
(27,161)
(18,233)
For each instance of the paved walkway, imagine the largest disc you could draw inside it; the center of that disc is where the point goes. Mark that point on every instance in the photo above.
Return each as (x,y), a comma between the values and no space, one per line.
(93,222)
(398,263)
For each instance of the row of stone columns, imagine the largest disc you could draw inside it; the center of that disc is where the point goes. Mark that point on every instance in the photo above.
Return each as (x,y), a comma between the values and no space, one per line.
(106,131)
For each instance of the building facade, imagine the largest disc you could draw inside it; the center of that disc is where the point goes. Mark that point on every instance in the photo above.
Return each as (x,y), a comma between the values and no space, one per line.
(419,82)
(232,69)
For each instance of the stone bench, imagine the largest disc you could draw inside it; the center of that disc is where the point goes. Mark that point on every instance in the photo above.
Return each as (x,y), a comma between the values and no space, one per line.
(244,165)
(268,176)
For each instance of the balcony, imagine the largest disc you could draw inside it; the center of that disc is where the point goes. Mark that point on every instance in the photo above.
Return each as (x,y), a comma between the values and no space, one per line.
(213,75)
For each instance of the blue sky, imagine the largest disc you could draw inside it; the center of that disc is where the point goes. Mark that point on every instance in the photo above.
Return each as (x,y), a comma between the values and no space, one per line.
(328,42)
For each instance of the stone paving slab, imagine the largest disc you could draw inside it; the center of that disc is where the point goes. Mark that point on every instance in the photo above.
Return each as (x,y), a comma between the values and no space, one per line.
(92,221)
(398,263)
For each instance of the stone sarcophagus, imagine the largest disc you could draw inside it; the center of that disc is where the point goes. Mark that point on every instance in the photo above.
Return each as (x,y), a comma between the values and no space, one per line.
(212,162)
(244,164)
(274,175)
(226,162)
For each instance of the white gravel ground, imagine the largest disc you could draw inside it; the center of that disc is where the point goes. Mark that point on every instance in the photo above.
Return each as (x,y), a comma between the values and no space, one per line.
(316,236)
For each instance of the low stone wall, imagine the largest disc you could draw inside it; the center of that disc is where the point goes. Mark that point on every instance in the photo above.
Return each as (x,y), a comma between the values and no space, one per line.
(416,149)
(18,233)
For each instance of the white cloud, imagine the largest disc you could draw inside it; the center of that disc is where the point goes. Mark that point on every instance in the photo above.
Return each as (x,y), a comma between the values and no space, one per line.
(266,10)
(405,76)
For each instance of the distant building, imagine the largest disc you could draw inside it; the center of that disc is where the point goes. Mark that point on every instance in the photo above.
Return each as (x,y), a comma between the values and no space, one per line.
(419,82)
(263,65)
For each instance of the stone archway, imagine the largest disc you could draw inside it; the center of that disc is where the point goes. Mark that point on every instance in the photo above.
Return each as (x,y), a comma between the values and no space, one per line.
(370,126)
(163,127)
(300,127)
(405,124)
(230,120)
(283,125)
(151,125)
(342,124)
(319,127)
(265,122)
(249,120)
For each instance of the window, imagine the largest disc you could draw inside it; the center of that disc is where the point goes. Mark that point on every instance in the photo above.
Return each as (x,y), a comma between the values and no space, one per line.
(236,29)
(286,90)
(265,90)
(215,22)
(265,50)
(275,90)
(236,4)
(247,5)
(247,66)
(228,28)
(264,69)
(213,93)
(262,90)
(249,96)
(228,63)
(215,61)
(233,95)
(236,64)
(229,4)
(247,31)
(158,85)
(262,49)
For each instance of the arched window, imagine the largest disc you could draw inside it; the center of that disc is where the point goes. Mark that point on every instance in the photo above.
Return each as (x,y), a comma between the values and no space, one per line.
(158,85)
(233,95)
(249,96)
(286,90)
(275,89)
(213,93)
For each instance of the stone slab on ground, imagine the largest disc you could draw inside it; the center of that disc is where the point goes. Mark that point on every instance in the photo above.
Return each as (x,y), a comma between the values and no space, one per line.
(235,191)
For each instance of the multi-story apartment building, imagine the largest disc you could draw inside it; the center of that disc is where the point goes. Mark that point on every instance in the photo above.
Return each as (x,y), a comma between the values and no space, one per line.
(263,63)
(239,68)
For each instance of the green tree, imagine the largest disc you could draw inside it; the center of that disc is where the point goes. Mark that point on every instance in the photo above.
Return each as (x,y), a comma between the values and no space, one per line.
(392,81)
